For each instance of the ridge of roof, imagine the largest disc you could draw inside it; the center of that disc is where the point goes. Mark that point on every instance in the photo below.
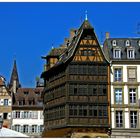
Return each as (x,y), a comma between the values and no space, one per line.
(73,44)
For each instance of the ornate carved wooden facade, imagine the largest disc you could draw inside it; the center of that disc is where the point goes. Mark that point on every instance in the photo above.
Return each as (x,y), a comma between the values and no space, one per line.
(77,94)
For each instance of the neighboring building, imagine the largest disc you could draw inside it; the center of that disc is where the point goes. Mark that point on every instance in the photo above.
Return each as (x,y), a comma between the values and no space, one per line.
(76,96)
(27,111)
(124,53)
(5,103)
(27,107)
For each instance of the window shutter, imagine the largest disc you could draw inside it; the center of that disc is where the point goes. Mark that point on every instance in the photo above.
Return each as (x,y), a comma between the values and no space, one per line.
(21,129)
(9,116)
(38,129)
(30,129)
(30,115)
(13,114)
(2,102)
(9,102)
(36,114)
(13,127)
(22,115)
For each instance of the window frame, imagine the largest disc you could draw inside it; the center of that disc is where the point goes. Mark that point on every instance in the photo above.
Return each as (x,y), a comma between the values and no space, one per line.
(5,102)
(121,125)
(127,43)
(114,74)
(5,115)
(132,95)
(132,54)
(26,128)
(138,42)
(114,43)
(17,127)
(133,121)
(117,55)
(17,114)
(118,103)
(34,128)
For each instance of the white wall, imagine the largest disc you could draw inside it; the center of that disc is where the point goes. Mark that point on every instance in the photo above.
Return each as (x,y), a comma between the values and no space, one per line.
(126,118)
(112,118)
(126,95)
(112,95)
(29,121)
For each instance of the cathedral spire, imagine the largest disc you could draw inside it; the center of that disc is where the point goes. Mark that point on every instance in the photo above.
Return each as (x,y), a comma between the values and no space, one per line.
(86,15)
(14,81)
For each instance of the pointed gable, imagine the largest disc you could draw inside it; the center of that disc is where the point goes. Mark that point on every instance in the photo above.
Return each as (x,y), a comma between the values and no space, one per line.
(14,76)
(90,40)
(80,39)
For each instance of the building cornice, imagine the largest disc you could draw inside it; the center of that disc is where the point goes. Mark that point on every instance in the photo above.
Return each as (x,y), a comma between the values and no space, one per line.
(125,62)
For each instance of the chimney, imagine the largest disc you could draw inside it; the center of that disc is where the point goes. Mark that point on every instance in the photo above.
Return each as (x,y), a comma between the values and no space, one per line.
(72,33)
(66,40)
(107,35)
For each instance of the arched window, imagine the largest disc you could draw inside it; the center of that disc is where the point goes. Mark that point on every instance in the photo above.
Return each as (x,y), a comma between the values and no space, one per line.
(139,42)
(127,43)
(114,43)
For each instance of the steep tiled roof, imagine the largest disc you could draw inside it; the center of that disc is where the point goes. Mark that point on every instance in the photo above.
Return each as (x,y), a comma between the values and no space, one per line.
(57,51)
(69,52)
(121,43)
(28,94)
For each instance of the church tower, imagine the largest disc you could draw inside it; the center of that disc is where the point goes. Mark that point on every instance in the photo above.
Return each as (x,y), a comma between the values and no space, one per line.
(14,81)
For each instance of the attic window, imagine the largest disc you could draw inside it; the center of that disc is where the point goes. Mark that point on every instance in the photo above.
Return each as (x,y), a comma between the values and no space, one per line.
(117,53)
(127,43)
(37,93)
(139,42)
(131,53)
(31,101)
(87,52)
(26,92)
(21,101)
(114,43)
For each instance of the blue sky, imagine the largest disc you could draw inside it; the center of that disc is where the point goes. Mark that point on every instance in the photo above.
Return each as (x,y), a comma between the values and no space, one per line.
(28,30)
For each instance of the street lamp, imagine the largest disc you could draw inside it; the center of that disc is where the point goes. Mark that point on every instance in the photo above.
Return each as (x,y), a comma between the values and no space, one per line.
(1,123)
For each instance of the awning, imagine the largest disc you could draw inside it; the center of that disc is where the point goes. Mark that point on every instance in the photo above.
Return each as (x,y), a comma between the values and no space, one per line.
(8,133)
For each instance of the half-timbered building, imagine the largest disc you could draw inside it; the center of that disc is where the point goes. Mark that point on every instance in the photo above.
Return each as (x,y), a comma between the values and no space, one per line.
(76,96)
(27,107)
(5,103)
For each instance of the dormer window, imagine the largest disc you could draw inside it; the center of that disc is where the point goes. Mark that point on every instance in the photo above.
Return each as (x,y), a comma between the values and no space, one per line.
(26,92)
(139,42)
(114,43)
(127,43)
(130,54)
(117,53)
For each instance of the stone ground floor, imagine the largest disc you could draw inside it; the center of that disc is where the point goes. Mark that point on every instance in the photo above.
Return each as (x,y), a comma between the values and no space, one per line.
(125,133)
(76,133)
